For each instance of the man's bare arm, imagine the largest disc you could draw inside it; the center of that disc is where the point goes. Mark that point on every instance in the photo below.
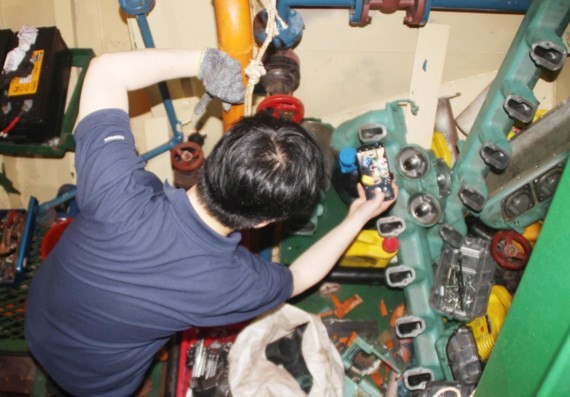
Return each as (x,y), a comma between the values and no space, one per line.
(316,262)
(111,76)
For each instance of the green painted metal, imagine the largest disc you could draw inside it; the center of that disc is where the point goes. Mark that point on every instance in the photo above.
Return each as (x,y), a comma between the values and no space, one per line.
(532,354)
(417,241)
(545,20)
(80,58)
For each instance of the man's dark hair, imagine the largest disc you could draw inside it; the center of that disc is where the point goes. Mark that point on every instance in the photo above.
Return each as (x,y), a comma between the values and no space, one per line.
(262,169)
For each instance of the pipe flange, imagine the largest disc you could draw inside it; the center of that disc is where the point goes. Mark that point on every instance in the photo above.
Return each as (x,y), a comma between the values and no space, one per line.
(287,38)
(136,7)
(412,162)
(424,209)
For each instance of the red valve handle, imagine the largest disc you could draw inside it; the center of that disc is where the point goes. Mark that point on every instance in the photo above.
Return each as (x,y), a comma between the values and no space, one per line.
(510,250)
(283,106)
(186,156)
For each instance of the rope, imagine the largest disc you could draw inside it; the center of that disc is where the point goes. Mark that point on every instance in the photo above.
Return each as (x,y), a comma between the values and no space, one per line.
(255,70)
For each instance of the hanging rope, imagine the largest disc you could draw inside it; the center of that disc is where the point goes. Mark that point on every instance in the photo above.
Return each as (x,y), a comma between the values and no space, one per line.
(255,70)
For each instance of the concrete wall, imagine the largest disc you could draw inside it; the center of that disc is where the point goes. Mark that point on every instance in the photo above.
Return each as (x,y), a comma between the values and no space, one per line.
(344,70)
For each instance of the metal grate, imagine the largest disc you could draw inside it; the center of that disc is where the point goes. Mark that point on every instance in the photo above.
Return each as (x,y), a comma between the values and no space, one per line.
(13,297)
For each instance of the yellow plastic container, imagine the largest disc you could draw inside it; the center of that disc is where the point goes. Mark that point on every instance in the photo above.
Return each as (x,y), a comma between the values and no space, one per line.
(369,249)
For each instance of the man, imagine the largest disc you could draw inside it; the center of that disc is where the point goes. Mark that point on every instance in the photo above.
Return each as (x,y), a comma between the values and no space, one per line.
(143,260)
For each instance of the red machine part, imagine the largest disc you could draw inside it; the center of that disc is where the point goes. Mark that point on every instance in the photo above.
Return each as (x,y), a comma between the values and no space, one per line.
(186,156)
(186,159)
(510,250)
(283,107)
(414,10)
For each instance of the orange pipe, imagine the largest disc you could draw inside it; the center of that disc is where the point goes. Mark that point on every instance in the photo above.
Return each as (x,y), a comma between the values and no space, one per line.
(235,36)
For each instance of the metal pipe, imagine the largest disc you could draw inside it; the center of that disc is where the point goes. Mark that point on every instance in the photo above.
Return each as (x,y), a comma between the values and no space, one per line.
(481,5)
(235,36)
(283,6)
(417,11)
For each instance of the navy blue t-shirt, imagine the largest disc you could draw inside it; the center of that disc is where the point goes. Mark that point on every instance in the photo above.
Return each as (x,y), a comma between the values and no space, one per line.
(136,266)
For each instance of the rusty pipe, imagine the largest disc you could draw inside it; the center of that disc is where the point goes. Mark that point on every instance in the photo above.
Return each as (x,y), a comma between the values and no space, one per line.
(235,36)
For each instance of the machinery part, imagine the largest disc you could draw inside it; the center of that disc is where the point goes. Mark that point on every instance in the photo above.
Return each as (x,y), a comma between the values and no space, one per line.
(136,7)
(512,88)
(545,185)
(288,37)
(409,326)
(346,176)
(476,228)
(283,107)
(412,162)
(466,118)
(369,249)
(510,250)
(390,226)
(486,328)
(521,194)
(357,275)
(519,108)
(417,378)
(472,198)
(464,359)
(400,276)
(417,11)
(371,132)
(548,55)
(345,328)
(494,156)
(451,236)
(443,177)
(517,203)
(463,280)
(352,357)
(446,125)
(186,159)
(424,209)
(282,73)
(436,388)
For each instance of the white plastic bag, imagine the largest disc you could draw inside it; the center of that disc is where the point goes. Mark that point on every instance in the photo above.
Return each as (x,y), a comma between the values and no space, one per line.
(252,374)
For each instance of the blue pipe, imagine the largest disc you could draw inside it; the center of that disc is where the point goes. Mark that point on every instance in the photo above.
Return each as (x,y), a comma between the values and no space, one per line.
(357,6)
(481,5)
(283,6)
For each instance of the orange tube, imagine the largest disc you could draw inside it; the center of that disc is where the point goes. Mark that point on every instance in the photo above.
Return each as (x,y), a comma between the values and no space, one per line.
(235,36)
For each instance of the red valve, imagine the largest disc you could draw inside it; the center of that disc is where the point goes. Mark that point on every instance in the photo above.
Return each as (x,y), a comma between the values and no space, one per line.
(186,156)
(510,250)
(283,107)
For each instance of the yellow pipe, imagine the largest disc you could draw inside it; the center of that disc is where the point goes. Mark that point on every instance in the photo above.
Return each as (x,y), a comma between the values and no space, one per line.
(235,36)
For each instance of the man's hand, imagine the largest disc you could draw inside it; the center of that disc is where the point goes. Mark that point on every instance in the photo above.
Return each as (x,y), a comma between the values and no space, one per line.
(316,262)
(368,209)
(222,78)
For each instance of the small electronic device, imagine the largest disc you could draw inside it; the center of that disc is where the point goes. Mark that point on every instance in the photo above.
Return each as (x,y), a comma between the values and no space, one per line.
(374,170)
